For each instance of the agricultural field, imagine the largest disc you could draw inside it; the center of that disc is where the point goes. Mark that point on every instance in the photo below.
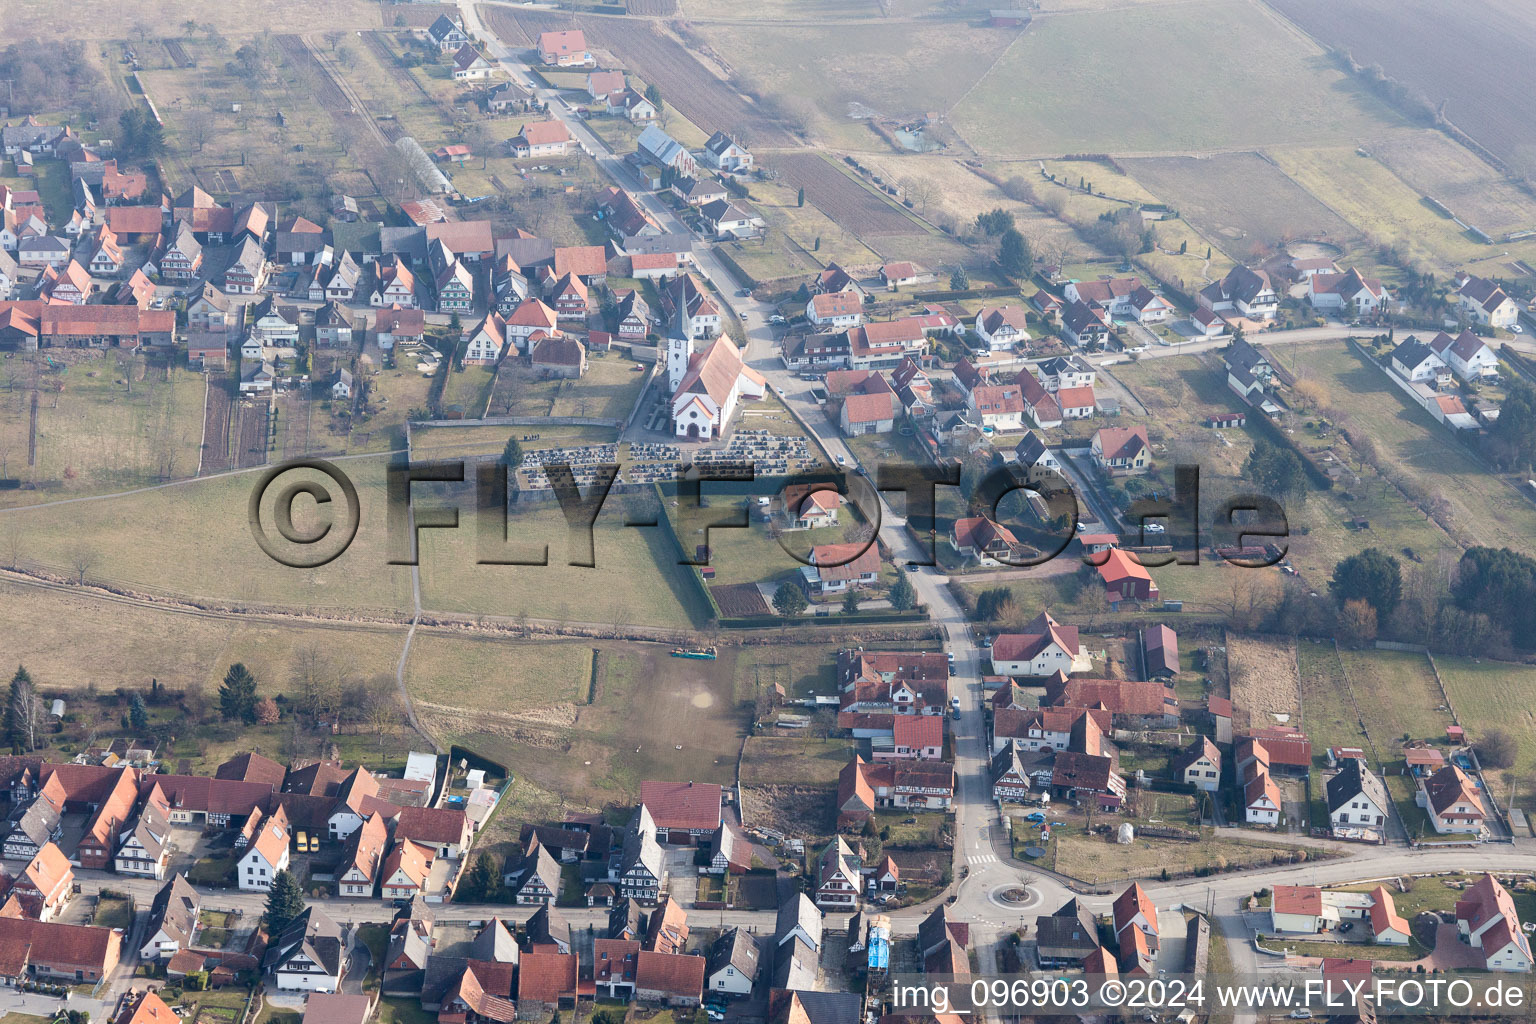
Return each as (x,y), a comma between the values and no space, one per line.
(1479,68)
(636,580)
(105,421)
(99,19)
(1439,167)
(1093,76)
(1386,208)
(206,523)
(1264,679)
(841,197)
(1483,508)
(1497,695)
(834,76)
(653,717)
(1239,200)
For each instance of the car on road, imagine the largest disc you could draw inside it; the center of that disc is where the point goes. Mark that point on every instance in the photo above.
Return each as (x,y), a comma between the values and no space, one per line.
(780,392)
(842,461)
(914,567)
(743,292)
(955,714)
(713,1013)
(776,319)
(986,641)
(743,314)
(951,656)
(1517,328)
(1154,527)
(954,702)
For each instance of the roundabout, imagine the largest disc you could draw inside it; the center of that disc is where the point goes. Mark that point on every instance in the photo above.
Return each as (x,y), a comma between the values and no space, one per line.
(1015,896)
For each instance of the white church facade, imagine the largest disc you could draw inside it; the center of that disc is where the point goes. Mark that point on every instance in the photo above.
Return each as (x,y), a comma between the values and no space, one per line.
(706,385)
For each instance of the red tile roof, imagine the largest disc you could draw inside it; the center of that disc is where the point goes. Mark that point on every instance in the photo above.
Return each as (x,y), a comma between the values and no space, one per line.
(682,805)
(676,975)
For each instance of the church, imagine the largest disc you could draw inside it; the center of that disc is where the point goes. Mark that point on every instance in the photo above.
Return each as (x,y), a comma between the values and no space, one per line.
(706,385)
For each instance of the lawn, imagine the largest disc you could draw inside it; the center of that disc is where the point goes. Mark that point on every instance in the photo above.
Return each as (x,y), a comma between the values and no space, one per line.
(468,390)
(635,580)
(794,757)
(1098,859)
(129,644)
(1397,697)
(113,912)
(1143,78)
(504,677)
(206,524)
(106,421)
(1327,716)
(608,390)
(654,717)
(1492,694)
(1482,507)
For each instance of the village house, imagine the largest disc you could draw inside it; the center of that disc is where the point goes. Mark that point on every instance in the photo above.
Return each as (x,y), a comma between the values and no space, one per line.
(1466,354)
(308,956)
(1001,328)
(632,105)
(1415,361)
(265,855)
(808,509)
(173,918)
(469,65)
(393,284)
(899,274)
(728,220)
(1085,326)
(724,154)
(683,811)
(838,879)
(1484,302)
(540,139)
(406,870)
(838,568)
(45,884)
(986,541)
(358,871)
(1487,921)
(333,326)
(1121,450)
(1349,292)
(447,33)
(67,953)
(835,309)
(1044,648)
(732,964)
(1261,795)
(665,152)
(565,49)
(1357,799)
(558,356)
(1243,291)
(1452,802)
(1199,765)
(1062,372)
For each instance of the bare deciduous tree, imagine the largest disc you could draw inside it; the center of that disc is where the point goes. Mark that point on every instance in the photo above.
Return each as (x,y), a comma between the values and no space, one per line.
(27,711)
(82,560)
